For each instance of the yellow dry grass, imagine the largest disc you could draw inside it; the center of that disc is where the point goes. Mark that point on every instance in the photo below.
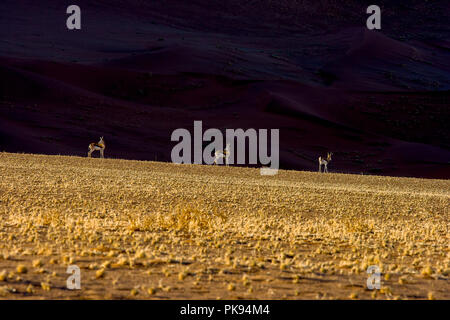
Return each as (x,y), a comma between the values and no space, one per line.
(148,230)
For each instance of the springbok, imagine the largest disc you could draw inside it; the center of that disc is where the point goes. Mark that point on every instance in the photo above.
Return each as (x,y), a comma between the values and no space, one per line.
(100,146)
(222,154)
(324,162)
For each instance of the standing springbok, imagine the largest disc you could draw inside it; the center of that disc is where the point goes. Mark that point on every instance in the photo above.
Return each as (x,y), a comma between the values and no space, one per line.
(97,146)
(222,154)
(324,162)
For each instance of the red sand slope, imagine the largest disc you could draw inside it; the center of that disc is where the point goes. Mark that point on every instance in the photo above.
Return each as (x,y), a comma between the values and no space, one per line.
(138,70)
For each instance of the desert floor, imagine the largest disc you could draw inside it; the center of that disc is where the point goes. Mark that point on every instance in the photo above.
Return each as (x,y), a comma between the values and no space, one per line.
(152,230)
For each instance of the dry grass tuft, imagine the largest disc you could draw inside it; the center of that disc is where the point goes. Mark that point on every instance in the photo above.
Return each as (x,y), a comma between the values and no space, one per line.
(21,269)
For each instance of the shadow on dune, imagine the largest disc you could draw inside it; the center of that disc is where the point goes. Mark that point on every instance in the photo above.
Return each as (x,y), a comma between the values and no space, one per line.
(137,71)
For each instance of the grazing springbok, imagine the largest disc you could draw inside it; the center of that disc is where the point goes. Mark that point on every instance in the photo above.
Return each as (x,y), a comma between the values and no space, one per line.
(324,162)
(100,146)
(222,154)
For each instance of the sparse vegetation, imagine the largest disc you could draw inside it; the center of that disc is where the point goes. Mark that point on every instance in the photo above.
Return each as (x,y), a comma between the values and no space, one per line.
(147,230)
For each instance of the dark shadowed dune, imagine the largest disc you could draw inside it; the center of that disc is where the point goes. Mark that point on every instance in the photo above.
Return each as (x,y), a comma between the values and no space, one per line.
(138,70)
(376,62)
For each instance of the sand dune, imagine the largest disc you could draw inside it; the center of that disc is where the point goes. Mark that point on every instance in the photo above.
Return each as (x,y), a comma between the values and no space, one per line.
(138,70)
(376,62)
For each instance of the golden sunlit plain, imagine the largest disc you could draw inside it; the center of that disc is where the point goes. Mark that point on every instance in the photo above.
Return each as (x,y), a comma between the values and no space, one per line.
(150,230)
